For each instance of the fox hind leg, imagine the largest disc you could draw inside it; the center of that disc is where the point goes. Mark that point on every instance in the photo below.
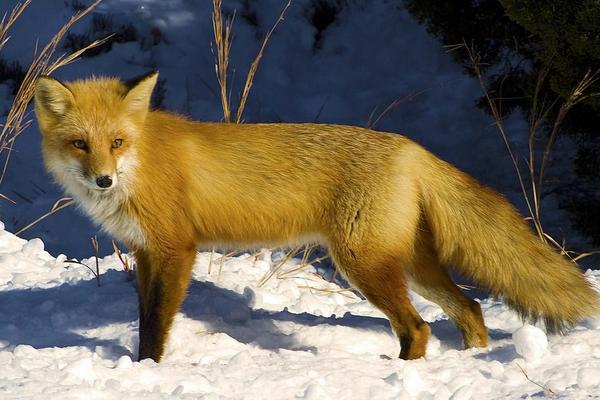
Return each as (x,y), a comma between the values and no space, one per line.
(432,281)
(384,285)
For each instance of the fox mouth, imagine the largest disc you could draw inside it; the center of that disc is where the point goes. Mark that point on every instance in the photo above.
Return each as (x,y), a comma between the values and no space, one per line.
(94,189)
(97,191)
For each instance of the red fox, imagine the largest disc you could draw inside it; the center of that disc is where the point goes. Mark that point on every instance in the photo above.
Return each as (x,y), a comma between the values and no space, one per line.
(391,213)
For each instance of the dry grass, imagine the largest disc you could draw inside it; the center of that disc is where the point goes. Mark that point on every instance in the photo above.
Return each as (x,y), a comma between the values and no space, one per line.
(313,281)
(223,38)
(540,112)
(9,19)
(58,205)
(287,257)
(306,259)
(373,121)
(303,252)
(128,267)
(255,63)
(44,63)
(221,260)
(210,260)
(346,292)
(96,258)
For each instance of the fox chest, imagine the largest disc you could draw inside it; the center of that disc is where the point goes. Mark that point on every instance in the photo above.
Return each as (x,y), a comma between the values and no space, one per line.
(111,214)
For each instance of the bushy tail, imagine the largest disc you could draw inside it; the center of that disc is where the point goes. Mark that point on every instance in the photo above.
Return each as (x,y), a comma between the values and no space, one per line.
(479,233)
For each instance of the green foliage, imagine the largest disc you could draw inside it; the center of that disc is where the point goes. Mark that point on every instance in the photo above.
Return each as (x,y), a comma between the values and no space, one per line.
(503,45)
(12,73)
(515,38)
(322,14)
(481,23)
(102,26)
(569,34)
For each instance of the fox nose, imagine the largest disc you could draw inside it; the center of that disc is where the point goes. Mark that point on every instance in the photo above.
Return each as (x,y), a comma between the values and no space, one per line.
(104,181)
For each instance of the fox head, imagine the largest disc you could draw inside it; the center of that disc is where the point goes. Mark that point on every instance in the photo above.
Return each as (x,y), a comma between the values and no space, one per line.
(89,129)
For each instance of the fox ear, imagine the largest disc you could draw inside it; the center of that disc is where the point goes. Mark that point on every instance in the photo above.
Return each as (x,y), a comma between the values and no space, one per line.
(139,92)
(52,98)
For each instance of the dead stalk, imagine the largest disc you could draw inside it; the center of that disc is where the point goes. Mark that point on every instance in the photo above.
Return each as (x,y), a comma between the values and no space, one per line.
(287,274)
(303,264)
(223,38)
(127,266)
(96,273)
(4,197)
(334,275)
(6,23)
(577,95)
(539,113)
(277,266)
(210,260)
(547,391)
(85,265)
(220,268)
(476,62)
(401,100)
(58,205)
(346,292)
(255,63)
(96,248)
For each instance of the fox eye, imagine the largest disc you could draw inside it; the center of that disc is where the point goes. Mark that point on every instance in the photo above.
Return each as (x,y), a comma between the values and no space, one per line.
(80,144)
(117,143)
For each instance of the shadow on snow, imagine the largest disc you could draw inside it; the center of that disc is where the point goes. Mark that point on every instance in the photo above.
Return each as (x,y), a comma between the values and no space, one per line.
(63,316)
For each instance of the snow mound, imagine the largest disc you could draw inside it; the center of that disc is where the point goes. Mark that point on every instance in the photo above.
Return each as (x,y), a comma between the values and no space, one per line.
(530,342)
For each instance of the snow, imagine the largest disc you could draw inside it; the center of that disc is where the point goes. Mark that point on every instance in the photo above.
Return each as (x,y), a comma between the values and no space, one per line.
(296,336)
(530,342)
(589,378)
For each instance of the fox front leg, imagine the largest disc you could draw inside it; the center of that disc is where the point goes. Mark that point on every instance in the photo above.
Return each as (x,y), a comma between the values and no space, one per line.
(163,279)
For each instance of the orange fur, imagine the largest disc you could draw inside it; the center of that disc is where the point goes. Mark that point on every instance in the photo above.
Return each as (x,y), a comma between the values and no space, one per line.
(391,213)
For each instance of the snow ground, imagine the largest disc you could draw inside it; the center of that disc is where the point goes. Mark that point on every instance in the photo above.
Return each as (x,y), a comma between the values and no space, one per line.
(298,336)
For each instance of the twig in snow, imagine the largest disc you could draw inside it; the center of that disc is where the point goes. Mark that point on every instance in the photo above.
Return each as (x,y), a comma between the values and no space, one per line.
(547,391)
(96,273)
(96,248)
(127,266)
